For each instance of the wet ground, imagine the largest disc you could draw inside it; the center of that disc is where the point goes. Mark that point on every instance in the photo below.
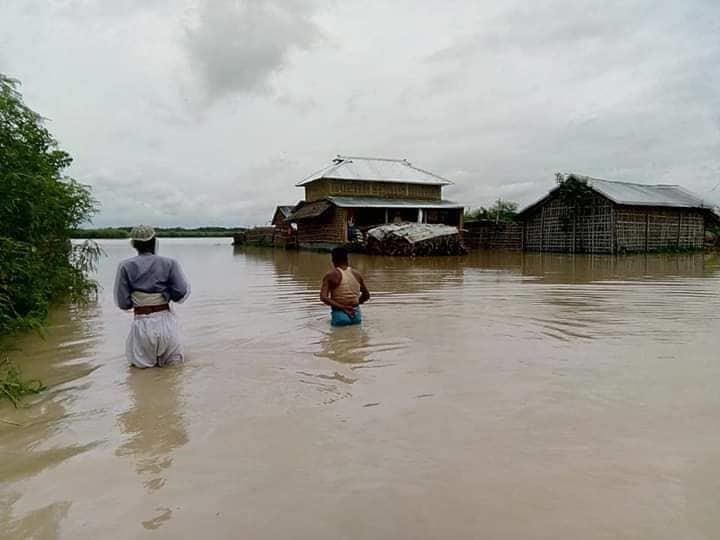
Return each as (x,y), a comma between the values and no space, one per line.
(491,396)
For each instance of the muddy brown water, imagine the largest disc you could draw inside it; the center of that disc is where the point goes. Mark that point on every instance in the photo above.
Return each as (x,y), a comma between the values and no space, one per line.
(499,395)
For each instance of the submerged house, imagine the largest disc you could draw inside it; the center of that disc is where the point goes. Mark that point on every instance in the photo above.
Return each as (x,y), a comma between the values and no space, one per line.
(281,215)
(354,194)
(603,216)
(283,233)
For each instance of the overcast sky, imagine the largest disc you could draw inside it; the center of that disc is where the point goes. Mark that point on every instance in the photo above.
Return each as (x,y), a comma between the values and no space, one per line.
(207,112)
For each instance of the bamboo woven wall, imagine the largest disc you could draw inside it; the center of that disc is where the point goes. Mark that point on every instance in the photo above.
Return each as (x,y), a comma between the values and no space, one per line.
(657,229)
(329,228)
(604,227)
(491,235)
(551,228)
(386,190)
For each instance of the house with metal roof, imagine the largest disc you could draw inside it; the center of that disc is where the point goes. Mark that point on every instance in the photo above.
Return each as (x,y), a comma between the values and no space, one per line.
(592,215)
(354,194)
(281,214)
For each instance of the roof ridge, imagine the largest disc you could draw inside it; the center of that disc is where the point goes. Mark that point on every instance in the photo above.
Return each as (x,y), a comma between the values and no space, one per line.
(619,181)
(370,158)
(315,173)
(431,174)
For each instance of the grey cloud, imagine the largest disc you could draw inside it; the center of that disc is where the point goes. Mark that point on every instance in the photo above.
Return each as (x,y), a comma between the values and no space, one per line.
(236,46)
(536,27)
(514,92)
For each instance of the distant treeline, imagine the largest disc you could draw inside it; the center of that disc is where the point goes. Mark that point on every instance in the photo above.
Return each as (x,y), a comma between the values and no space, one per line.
(168,232)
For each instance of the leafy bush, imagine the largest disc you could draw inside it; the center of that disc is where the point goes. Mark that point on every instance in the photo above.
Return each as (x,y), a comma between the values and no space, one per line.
(501,211)
(39,207)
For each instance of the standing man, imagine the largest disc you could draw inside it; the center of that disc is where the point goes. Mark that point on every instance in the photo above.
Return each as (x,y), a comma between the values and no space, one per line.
(343,289)
(147,284)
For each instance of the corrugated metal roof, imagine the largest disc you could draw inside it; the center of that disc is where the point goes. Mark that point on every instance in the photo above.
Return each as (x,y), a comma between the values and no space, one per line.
(370,202)
(634,194)
(628,193)
(375,170)
(285,210)
(309,210)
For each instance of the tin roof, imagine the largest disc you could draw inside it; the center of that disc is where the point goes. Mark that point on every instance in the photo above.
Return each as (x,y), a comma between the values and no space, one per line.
(285,210)
(375,170)
(633,194)
(372,202)
(309,210)
(628,193)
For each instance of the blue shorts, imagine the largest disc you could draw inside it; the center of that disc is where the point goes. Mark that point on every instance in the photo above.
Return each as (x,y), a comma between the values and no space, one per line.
(340,318)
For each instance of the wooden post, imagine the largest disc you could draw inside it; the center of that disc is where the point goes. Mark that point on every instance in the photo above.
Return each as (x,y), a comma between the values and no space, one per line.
(542,230)
(679,225)
(386,216)
(612,229)
(342,215)
(647,231)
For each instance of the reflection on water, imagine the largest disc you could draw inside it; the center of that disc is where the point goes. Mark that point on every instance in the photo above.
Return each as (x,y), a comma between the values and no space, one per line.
(589,269)
(33,437)
(153,423)
(41,523)
(498,395)
(347,345)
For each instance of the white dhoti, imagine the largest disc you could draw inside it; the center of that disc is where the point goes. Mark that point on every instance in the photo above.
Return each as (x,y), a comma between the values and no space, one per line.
(154,340)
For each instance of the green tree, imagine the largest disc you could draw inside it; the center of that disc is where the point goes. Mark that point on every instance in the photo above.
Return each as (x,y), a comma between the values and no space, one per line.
(501,211)
(39,208)
(577,196)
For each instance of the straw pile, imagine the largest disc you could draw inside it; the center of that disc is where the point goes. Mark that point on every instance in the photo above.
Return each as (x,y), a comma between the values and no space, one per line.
(415,240)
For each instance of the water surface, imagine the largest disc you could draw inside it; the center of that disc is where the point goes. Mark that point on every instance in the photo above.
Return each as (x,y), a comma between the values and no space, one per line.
(499,395)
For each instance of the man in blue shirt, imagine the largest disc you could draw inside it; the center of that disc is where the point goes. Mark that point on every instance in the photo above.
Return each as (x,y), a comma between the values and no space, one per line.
(147,284)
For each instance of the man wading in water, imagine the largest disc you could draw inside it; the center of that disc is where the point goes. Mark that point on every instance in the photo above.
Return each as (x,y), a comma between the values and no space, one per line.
(343,289)
(147,284)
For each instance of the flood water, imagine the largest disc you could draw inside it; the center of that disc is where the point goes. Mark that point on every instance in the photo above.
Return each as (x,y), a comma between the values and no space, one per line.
(499,396)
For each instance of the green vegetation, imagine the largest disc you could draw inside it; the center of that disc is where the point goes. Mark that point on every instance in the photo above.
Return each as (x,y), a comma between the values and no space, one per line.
(712,237)
(501,211)
(577,196)
(169,232)
(12,385)
(39,207)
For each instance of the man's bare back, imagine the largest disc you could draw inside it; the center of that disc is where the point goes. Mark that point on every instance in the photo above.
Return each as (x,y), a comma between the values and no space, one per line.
(343,289)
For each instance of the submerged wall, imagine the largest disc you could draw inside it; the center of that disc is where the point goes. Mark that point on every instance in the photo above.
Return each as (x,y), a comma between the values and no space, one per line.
(325,230)
(491,235)
(603,227)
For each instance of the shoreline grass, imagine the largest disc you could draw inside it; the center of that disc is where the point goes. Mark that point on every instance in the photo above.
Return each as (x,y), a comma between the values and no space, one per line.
(12,385)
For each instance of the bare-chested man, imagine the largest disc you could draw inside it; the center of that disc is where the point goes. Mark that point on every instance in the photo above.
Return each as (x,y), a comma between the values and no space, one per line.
(343,289)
